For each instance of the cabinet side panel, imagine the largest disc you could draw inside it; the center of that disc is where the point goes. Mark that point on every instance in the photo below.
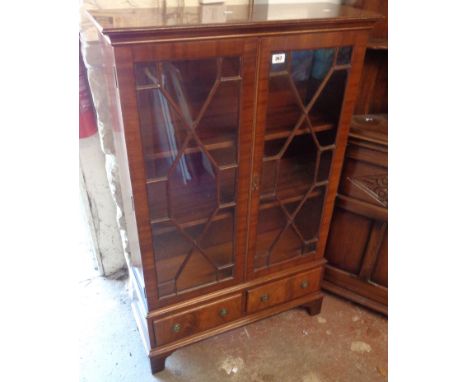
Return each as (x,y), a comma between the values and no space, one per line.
(134,261)
(134,258)
(127,141)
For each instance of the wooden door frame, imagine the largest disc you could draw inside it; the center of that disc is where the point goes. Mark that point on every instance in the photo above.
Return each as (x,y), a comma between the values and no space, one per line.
(125,58)
(314,40)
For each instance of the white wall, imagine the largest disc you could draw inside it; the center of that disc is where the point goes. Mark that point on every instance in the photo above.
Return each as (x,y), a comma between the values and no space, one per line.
(102,206)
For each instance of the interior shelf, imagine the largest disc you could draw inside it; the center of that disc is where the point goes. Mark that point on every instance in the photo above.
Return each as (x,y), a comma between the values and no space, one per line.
(211,143)
(295,179)
(191,203)
(219,254)
(291,188)
(265,239)
(191,223)
(269,202)
(280,126)
(377,44)
(290,244)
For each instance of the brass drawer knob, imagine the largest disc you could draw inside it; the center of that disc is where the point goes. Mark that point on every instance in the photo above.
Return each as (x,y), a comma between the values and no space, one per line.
(264,298)
(223,312)
(176,328)
(305,284)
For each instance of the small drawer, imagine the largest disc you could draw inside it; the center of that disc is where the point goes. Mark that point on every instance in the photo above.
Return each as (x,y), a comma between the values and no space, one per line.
(197,320)
(305,283)
(283,290)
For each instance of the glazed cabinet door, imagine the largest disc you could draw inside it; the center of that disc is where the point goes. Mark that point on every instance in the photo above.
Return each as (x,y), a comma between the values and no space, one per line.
(194,104)
(305,94)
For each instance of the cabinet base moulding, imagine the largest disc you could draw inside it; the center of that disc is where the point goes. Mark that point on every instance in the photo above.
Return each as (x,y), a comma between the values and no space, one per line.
(354,297)
(312,303)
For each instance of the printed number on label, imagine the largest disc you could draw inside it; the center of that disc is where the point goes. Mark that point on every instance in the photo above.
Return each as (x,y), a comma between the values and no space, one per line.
(278,58)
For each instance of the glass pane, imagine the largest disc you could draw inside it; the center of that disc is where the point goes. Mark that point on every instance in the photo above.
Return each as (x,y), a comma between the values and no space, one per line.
(308,70)
(344,55)
(307,219)
(157,200)
(297,167)
(217,129)
(288,245)
(268,182)
(189,121)
(293,172)
(189,83)
(230,66)
(324,165)
(192,189)
(218,242)
(172,247)
(326,110)
(226,273)
(272,147)
(197,271)
(227,185)
(283,108)
(145,74)
(271,220)
(306,91)
(163,132)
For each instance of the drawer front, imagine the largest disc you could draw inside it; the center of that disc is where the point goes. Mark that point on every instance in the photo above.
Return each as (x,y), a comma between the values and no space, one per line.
(197,320)
(305,283)
(283,290)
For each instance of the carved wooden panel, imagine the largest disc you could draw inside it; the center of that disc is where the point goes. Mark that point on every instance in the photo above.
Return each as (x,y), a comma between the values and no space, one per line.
(376,186)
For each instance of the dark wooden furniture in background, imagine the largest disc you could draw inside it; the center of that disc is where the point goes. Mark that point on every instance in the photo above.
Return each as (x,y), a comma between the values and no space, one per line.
(373,89)
(230,134)
(348,273)
(357,243)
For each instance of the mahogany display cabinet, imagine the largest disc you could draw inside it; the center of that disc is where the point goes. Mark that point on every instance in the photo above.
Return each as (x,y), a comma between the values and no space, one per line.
(230,126)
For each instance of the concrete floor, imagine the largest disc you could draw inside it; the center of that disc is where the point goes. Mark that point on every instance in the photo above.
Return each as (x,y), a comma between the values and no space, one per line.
(343,343)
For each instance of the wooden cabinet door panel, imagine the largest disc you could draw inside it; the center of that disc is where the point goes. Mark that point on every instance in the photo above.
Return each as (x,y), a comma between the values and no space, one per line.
(190,105)
(347,241)
(307,86)
(380,272)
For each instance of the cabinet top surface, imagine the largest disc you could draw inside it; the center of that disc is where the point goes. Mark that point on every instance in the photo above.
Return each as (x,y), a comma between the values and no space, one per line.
(134,20)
